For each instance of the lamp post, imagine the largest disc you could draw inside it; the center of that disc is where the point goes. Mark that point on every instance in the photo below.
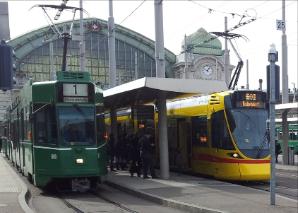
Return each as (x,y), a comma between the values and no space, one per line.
(294,92)
(272,58)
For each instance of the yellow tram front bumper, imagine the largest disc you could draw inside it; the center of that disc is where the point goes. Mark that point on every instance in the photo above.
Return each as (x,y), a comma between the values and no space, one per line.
(254,172)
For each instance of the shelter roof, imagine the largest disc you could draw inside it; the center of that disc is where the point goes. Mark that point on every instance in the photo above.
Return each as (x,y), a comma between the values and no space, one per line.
(147,89)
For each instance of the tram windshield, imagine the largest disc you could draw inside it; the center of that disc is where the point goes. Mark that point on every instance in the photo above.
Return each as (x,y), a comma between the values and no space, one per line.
(248,127)
(76,125)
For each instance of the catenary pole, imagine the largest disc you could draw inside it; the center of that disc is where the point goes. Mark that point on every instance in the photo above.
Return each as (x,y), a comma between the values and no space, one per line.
(272,58)
(52,69)
(185,59)
(82,40)
(226,56)
(161,102)
(285,92)
(247,74)
(112,67)
(112,56)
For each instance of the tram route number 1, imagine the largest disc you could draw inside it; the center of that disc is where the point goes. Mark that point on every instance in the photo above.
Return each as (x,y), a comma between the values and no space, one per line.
(75,90)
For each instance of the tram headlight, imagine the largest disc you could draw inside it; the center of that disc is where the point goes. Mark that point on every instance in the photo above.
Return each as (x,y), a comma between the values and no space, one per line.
(235,155)
(79,160)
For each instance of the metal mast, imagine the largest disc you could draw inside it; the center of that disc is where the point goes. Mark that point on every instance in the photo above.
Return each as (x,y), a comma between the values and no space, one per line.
(161,102)
(82,42)
(112,56)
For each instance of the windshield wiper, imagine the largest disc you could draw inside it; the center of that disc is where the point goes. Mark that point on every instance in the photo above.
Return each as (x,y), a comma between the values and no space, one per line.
(80,111)
(265,139)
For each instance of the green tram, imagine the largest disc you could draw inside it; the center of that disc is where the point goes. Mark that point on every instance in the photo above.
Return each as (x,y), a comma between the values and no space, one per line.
(52,133)
(293,136)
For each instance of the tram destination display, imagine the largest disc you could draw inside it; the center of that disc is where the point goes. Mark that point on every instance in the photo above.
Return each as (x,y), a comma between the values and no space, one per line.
(249,99)
(75,93)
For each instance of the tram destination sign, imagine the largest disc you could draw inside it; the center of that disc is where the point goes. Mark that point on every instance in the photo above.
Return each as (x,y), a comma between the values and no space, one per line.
(249,99)
(75,93)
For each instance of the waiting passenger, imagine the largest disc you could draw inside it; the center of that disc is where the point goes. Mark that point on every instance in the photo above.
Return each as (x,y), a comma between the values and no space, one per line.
(134,156)
(111,151)
(147,154)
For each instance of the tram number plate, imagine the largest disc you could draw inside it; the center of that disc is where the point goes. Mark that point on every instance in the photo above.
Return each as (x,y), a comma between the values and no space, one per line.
(75,93)
(74,90)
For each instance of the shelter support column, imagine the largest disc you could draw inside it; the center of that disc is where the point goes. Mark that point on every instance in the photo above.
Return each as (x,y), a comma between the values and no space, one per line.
(113,116)
(163,136)
(285,137)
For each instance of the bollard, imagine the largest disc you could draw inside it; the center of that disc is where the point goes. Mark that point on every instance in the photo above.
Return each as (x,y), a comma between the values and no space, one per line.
(291,156)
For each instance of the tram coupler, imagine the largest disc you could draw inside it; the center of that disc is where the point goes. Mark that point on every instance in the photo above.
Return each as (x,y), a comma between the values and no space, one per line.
(80,184)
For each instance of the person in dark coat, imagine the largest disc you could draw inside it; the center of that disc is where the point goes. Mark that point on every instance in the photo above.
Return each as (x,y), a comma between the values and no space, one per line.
(277,151)
(134,156)
(147,153)
(111,151)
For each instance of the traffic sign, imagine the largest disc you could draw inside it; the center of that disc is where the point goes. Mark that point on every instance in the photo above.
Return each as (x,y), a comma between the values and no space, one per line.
(280,25)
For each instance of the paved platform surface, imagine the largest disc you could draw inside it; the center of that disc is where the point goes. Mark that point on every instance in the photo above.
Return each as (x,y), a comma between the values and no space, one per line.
(196,194)
(12,190)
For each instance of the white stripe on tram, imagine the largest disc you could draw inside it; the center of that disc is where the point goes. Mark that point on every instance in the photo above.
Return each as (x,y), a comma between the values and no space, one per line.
(45,147)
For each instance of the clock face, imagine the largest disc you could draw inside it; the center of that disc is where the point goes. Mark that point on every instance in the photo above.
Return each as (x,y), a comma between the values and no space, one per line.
(206,70)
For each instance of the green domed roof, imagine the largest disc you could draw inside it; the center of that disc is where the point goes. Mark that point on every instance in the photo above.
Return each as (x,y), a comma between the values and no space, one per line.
(201,42)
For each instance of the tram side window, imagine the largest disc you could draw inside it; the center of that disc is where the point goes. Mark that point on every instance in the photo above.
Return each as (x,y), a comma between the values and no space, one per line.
(199,131)
(100,125)
(45,126)
(219,131)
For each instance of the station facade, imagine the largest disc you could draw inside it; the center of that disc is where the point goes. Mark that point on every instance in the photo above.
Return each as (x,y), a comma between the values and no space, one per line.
(135,56)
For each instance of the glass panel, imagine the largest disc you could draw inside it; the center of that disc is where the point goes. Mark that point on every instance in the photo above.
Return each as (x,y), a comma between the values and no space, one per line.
(220,135)
(250,131)
(199,131)
(45,125)
(76,125)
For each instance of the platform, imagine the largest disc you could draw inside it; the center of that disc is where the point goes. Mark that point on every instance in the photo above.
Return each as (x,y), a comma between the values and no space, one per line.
(196,194)
(12,190)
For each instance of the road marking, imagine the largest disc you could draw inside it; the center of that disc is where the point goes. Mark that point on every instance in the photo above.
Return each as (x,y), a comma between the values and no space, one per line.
(3,205)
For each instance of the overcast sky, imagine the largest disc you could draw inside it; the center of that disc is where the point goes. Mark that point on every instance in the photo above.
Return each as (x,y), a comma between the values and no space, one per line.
(186,17)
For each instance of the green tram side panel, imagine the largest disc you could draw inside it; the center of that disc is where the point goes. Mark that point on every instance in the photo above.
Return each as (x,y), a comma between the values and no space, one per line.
(44,92)
(61,163)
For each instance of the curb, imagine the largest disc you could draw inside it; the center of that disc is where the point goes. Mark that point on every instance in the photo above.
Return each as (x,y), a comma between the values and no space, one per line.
(25,195)
(287,167)
(164,201)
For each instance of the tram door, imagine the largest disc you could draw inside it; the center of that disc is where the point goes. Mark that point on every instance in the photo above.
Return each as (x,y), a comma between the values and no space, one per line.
(184,144)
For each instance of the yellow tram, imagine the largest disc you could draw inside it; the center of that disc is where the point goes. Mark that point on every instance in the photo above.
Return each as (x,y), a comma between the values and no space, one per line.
(222,135)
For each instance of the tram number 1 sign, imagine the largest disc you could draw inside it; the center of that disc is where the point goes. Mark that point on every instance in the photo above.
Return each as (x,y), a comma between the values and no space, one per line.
(75,92)
(280,25)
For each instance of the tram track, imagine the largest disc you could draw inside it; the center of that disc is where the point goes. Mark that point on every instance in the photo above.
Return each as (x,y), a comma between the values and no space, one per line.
(69,205)
(85,197)
(121,206)
(282,190)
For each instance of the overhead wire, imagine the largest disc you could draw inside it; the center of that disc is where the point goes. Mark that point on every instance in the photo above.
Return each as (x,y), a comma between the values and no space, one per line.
(211,10)
(133,11)
(274,11)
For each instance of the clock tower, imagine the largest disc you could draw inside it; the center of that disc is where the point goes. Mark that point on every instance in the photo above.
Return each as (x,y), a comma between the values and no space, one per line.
(203,58)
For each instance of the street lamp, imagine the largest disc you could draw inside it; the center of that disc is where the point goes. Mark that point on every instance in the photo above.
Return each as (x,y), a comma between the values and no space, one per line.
(271,82)
(294,92)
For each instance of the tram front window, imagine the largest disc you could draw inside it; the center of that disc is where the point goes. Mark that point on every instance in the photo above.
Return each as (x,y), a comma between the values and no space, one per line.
(76,125)
(249,131)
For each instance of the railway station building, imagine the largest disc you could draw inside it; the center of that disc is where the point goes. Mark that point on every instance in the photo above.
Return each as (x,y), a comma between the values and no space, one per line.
(39,53)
